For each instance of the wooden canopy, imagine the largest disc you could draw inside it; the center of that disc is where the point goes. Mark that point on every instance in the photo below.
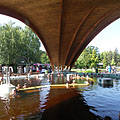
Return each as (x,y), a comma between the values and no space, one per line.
(65,27)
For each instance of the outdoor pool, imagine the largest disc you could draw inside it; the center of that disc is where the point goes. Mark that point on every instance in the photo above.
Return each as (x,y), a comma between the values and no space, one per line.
(92,102)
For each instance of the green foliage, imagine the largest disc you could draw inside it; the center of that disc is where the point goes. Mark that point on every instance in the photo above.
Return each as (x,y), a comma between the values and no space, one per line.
(44,58)
(94,59)
(110,58)
(88,58)
(113,62)
(88,71)
(17,43)
(116,57)
(31,45)
(104,59)
(9,42)
(83,60)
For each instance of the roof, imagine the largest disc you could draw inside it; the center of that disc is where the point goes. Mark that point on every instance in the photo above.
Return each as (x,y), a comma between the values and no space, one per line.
(65,27)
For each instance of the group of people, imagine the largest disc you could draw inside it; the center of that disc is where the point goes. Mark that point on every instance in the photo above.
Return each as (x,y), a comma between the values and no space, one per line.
(41,69)
(19,86)
(34,68)
(111,69)
(73,77)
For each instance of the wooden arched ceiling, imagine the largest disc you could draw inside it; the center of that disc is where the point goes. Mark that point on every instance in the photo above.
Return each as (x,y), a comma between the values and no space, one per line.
(64,26)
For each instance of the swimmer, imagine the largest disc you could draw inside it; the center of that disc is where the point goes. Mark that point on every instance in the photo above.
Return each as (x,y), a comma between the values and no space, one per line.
(48,76)
(73,81)
(62,75)
(58,75)
(18,87)
(67,85)
(78,77)
(25,85)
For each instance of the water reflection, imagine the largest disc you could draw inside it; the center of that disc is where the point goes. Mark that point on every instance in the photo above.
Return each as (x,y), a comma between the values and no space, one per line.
(35,104)
(67,105)
(44,96)
(60,103)
(105,82)
(105,99)
(106,85)
(25,105)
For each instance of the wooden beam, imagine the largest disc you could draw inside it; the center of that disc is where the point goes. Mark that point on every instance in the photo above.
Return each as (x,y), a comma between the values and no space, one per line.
(76,33)
(86,35)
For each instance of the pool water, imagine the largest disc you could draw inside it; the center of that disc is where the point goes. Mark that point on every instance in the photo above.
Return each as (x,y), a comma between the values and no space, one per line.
(104,99)
(93,102)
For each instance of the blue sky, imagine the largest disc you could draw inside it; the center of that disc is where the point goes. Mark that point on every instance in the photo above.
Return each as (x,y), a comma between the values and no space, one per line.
(107,39)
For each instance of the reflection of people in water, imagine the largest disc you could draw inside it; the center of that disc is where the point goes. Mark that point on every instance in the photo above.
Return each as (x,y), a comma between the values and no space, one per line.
(67,84)
(62,75)
(58,75)
(52,78)
(48,76)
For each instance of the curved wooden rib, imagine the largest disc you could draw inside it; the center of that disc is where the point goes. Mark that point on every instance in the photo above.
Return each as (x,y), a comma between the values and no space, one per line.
(86,35)
(75,34)
(90,38)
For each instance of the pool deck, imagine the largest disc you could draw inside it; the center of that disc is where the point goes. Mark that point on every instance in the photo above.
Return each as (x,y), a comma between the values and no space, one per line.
(40,76)
(25,76)
(108,75)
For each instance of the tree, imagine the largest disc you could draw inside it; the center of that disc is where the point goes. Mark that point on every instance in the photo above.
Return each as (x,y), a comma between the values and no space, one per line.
(113,62)
(106,58)
(86,59)
(44,58)
(94,59)
(105,63)
(9,37)
(109,57)
(31,45)
(17,43)
(116,56)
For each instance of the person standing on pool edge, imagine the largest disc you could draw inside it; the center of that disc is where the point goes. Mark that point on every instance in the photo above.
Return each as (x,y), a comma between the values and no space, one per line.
(109,69)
